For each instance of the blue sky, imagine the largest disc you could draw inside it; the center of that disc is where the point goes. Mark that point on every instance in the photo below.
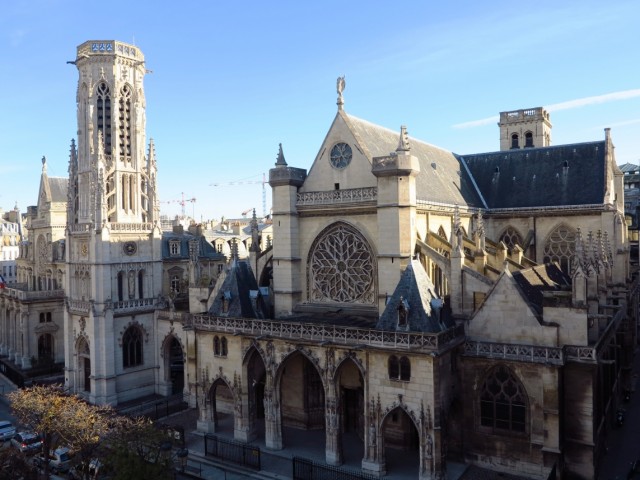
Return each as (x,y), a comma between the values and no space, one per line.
(232,80)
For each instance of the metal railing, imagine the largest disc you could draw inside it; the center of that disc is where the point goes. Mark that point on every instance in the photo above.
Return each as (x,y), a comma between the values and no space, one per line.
(304,469)
(232,451)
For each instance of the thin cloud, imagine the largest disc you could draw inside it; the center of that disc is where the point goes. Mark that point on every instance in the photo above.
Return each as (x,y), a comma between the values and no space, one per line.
(619,124)
(582,102)
(568,105)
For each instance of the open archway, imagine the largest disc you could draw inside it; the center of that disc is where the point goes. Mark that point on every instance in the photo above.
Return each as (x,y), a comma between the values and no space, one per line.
(83,365)
(350,390)
(256,375)
(401,443)
(222,407)
(174,364)
(302,402)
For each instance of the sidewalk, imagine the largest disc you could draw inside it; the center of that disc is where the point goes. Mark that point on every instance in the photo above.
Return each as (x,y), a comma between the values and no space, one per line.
(6,386)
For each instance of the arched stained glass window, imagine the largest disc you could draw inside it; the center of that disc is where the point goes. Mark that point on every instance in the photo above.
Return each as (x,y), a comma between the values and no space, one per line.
(503,401)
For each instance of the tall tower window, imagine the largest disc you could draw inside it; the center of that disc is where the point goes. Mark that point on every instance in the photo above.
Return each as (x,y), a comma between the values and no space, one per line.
(515,141)
(528,140)
(124,131)
(103,111)
(132,347)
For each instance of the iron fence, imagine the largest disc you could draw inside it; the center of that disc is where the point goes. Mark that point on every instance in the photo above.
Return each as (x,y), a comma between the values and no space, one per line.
(232,451)
(304,469)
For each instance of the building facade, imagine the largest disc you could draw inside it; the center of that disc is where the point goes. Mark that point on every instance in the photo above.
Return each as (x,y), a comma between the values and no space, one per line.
(474,308)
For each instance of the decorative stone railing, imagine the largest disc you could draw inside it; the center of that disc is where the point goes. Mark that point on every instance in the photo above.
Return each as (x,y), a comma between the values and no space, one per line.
(531,353)
(135,304)
(80,227)
(350,336)
(27,295)
(174,316)
(81,307)
(130,227)
(351,195)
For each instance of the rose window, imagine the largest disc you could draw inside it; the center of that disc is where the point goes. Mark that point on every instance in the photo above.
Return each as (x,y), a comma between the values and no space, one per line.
(341,267)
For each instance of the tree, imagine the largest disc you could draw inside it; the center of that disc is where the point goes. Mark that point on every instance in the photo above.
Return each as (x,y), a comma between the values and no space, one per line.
(139,450)
(62,419)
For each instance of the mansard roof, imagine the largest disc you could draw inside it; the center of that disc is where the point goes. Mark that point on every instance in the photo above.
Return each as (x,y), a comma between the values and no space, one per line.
(562,175)
(206,250)
(442,178)
(416,294)
(534,281)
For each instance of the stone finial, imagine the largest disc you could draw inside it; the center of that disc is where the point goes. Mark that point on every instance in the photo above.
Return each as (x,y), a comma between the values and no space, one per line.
(151,155)
(403,143)
(44,164)
(340,84)
(457,242)
(280,161)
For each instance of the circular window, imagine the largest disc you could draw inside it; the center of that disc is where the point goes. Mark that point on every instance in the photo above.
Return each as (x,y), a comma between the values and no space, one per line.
(341,155)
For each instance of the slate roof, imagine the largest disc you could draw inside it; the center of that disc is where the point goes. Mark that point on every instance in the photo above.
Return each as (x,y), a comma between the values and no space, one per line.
(206,250)
(541,177)
(416,291)
(441,179)
(58,188)
(236,287)
(533,281)
(629,168)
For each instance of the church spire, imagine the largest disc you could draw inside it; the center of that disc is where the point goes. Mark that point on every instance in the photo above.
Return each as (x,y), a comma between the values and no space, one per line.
(280,161)
(403,143)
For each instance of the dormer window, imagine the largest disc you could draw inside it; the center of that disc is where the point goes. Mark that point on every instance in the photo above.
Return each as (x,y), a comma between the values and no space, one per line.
(528,140)
(515,141)
(174,247)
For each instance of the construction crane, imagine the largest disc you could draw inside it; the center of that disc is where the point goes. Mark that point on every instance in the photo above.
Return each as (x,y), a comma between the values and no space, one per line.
(263,182)
(182,202)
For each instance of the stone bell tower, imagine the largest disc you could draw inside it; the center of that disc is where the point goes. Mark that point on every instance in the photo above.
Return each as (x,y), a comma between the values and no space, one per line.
(525,128)
(114,239)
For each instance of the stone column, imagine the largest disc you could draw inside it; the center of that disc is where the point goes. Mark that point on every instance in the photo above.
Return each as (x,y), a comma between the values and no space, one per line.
(241,429)
(373,461)
(206,417)
(272,420)
(333,450)
(25,340)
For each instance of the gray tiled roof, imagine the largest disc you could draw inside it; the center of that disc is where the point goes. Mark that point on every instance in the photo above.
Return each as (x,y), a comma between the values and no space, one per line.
(442,178)
(206,250)
(541,177)
(415,290)
(629,168)
(238,284)
(58,188)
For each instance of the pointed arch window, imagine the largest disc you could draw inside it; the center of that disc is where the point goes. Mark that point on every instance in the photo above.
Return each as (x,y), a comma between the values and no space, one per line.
(503,402)
(511,238)
(560,247)
(216,345)
(515,141)
(120,286)
(141,284)
(399,368)
(132,347)
(103,114)
(528,140)
(124,132)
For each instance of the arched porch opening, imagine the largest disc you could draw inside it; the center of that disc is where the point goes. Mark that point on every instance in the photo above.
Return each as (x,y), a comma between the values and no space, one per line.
(222,407)
(83,366)
(174,364)
(256,375)
(302,402)
(350,392)
(401,443)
